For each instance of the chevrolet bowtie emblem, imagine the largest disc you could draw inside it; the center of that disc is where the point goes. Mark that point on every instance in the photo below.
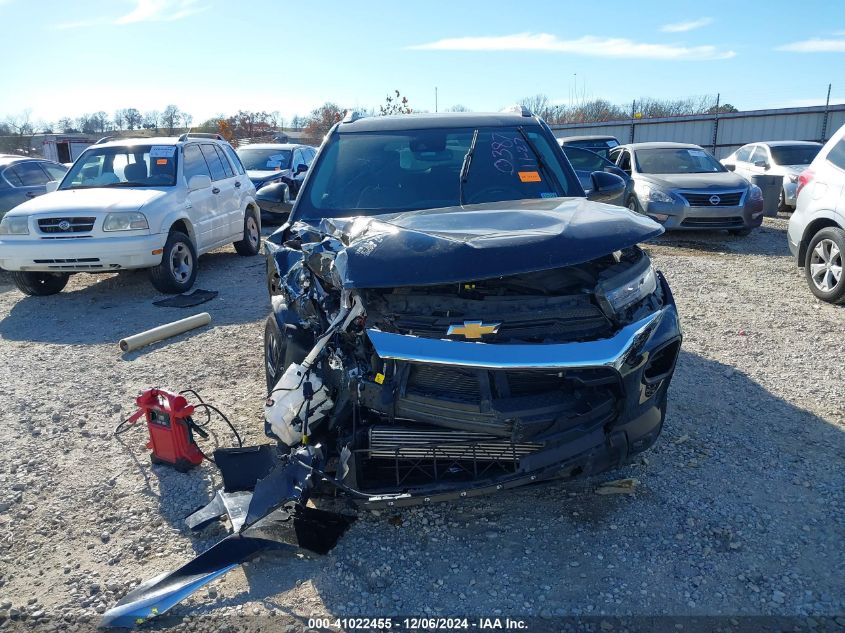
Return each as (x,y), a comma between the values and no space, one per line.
(473,329)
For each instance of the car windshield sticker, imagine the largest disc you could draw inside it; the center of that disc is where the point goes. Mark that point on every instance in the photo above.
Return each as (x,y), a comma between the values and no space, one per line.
(274,164)
(697,152)
(162,151)
(161,161)
(276,157)
(529,176)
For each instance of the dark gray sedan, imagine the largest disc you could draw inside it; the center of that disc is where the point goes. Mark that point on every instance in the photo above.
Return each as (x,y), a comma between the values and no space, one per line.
(23,178)
(683,187)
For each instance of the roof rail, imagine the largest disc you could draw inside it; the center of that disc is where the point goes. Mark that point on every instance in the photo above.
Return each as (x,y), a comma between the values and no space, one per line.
(351,116)
(187,135)
(105,139)
(517,109)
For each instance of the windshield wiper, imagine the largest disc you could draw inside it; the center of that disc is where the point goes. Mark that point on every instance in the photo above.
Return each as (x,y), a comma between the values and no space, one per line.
(129,184)
(540,162)
(465,167)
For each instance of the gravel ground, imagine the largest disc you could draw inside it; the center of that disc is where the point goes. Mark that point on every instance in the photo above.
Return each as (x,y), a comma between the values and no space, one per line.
(739,510)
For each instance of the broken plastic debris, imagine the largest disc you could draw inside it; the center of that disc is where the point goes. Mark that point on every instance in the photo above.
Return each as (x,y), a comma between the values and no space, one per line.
(618,487)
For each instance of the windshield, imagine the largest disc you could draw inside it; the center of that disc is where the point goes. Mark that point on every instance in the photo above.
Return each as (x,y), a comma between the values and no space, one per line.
(129,166)
(584,159)
(366,173)
(794,154)
(682,160)
(601,147)
(265,159)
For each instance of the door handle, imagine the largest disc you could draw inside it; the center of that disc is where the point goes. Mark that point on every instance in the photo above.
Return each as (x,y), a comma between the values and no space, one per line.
(31,194)
(237,184)
(215,190)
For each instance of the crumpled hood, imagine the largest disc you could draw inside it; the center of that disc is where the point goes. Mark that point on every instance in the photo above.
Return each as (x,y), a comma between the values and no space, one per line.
(103,199)
(469,243)
(704,182)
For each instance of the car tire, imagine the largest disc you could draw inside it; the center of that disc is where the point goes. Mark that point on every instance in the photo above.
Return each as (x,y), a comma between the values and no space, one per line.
(275,349)
(633,204)
(250,244)
(178,268)
(824,257)
(40,284)
(740,232)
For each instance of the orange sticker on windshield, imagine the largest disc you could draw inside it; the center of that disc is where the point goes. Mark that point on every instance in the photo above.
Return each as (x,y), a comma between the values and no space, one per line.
(161,161)
(529,176)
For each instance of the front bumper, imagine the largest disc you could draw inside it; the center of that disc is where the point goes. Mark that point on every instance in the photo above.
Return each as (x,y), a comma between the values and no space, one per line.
(685,217)
(594,427)
(89,254)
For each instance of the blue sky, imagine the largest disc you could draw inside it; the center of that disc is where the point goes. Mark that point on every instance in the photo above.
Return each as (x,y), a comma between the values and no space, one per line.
(214,56)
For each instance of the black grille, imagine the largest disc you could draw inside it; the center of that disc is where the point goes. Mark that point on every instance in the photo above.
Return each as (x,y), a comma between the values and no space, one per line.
(731,199)
(714,223)
(433,380)
(73,225)
(560,319)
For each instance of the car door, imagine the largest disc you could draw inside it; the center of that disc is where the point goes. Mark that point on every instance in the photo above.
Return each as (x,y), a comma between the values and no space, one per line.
(741,160)
(242,188)
(201,204)
(222,186)
(26,181)
(297,176)
(760,161)
(232,199)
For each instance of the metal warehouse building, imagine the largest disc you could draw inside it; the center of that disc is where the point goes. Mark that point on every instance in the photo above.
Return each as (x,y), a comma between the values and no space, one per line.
(722,133)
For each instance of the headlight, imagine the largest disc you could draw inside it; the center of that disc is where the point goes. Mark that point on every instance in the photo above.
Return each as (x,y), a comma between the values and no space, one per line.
(14,225)
(125,222)
(628,288)
(645,191)
(755,194)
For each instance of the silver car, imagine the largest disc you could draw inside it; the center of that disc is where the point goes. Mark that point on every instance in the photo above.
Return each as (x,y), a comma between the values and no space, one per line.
(816,233)
(683,187)
(775,158)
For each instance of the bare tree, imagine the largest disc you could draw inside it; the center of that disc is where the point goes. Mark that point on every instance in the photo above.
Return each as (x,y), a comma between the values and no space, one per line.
(151,120)
(132,118)
(66,125)
(187,119)
(458,108)
(20,124)
(119,119)
(170,118)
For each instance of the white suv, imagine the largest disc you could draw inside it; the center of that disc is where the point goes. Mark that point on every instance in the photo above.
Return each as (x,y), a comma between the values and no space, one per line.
(152,203)
(816,233)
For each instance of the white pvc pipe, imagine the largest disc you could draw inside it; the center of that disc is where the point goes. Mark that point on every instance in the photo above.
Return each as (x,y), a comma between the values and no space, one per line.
(164,331)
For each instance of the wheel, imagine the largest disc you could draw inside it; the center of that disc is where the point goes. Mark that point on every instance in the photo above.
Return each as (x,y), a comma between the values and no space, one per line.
(40,284)
(823,265)
(251,242)
(178,268)
(633,204)
(275,348)
(782,206)
(740,232)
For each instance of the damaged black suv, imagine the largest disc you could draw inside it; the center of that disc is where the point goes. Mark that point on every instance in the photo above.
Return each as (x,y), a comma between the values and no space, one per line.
(453,316)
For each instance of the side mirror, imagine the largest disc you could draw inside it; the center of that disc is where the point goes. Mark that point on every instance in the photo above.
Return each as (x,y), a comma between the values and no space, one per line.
(275,198)
(605,186)
(761,163)
(301,168)
(199,181)
(51,186)
(730,167)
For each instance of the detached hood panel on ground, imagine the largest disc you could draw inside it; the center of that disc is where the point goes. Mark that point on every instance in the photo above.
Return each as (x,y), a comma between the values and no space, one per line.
(473,242)
(96,199)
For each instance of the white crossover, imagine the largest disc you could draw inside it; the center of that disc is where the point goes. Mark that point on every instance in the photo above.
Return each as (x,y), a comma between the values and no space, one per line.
(155,203)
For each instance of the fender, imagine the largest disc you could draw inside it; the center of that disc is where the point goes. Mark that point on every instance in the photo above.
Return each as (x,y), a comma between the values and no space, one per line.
(821,219)
(173,217)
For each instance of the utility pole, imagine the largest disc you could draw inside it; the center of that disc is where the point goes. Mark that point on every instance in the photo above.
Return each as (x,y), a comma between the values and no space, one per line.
(826,113)
(633,114)
(716,122)
(435,98)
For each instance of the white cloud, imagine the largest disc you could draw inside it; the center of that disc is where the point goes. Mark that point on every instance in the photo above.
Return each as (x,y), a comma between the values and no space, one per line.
(815,45)
(683,27)
(144,11)
(160,11)
(586,45)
